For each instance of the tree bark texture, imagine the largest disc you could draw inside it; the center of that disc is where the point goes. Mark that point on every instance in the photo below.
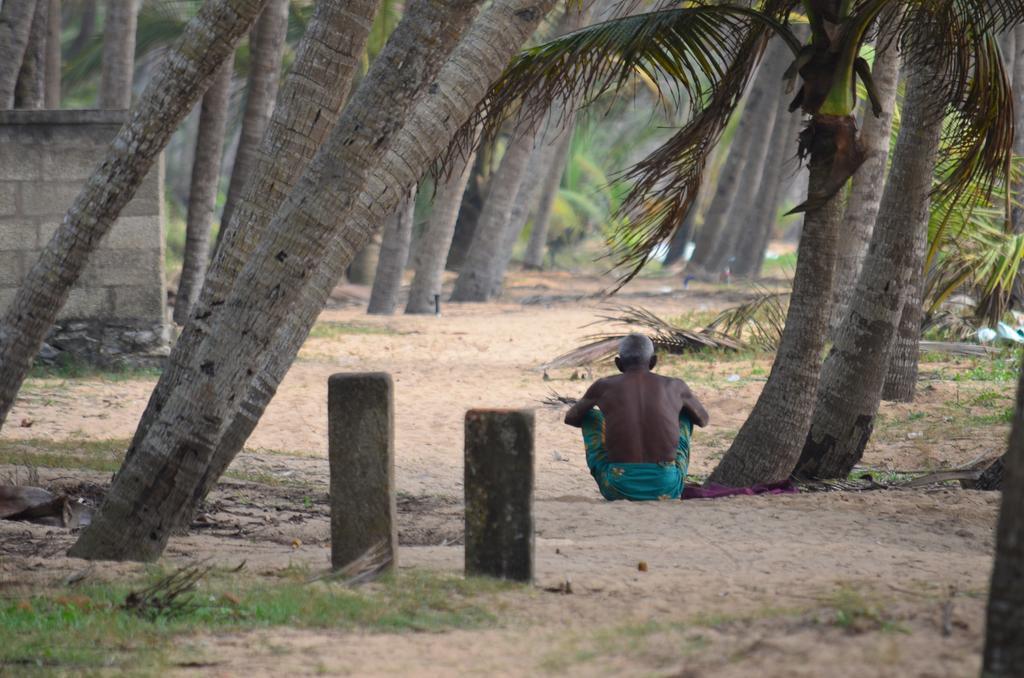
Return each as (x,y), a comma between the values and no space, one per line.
(868,183)
(15,27)
(852,376)
(202,198)
(118,67)
(1004,633)
(53,56)
(326,62)
(768,445)
(364,263)
(30,91)
(436,240)
(473,199)
(901,375)
(477,277)
(266,48)
(394,254)
(476,63)
(682,236)
(183,75)
(538,243)
(353,182)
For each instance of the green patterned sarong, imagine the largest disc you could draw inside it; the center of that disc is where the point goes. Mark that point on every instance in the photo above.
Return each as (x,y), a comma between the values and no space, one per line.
(635,481)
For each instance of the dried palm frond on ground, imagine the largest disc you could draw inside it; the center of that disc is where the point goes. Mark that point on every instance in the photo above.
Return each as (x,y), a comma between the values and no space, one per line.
(163,598)
(666,337)
(367,567)
(761,320)
(557,400)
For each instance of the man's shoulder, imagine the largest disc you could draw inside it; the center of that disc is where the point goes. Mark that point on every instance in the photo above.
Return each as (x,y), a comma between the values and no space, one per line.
(674,382)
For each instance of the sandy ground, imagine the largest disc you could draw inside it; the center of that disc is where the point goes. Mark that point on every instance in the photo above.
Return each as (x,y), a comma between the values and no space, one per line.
(734,587)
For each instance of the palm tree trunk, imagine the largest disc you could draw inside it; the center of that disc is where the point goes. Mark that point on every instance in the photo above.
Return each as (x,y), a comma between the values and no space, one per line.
(437,239)
(901,376)
(473,199)
(364,263)
(477,62)
(15,27)
(327,60)
(769,443)
(1017,212)
(716,233)
(394,254)
(86,28)
(476,281)
(1004,628)
(202,198)
(266,48)
(375,153)
(118,54)
(682,236)
(53,56)
(869,181)
(536,247)
(30,91)
(180,80)
(762,110)
(765,209)
(853,374)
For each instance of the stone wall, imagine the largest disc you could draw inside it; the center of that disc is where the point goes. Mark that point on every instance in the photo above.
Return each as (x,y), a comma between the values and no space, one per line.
(117,312)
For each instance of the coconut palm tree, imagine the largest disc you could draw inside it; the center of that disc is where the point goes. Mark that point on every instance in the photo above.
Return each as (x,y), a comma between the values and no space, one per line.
(53,55)
(1004,633)
(210,38)
(266,47)
(202,198)
(549,185)
(15,27)
(118,54)
(854,371)
(308,106)
(394,254)
(30,90)
(386,138)
(729,40)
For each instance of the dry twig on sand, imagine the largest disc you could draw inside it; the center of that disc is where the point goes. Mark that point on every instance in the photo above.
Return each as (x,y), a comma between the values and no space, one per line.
(163,598)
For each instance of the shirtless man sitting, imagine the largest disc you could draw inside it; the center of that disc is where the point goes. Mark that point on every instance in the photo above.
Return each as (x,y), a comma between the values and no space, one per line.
(637,426)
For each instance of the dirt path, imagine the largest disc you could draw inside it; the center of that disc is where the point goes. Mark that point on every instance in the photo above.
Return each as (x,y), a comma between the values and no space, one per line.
(773,586)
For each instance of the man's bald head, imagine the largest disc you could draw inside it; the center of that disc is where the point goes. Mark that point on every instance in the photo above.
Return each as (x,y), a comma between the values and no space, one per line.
(635,350)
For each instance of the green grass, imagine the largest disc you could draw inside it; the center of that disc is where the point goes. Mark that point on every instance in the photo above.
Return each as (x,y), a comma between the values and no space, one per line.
(68,368)
(331,329)
(87,630)
(855,613)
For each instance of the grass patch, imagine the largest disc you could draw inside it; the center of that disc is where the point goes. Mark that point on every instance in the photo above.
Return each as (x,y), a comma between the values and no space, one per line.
(856,614)
(86,629)
(69,368)
(330,329)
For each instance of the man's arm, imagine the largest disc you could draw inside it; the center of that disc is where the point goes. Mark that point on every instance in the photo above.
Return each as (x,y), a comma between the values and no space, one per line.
(576,413)
(693,408)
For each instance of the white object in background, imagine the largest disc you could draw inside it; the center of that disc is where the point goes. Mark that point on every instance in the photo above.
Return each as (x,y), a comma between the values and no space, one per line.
(733,377)
(986,334)
(1007,332)
(688,250)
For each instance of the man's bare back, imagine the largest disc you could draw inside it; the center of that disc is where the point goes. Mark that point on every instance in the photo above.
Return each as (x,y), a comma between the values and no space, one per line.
(641,411)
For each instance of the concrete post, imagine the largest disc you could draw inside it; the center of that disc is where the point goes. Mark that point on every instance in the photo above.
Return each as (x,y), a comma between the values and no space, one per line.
(361,449)
(499,493)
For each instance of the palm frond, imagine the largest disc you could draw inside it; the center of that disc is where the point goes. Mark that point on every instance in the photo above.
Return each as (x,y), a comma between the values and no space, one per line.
(758,322)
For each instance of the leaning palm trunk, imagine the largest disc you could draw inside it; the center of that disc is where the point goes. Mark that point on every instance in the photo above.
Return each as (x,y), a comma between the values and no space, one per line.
(432,250)
(202,197)
(266,47)
(309,104)
(53,55)
(477,279)
(868,184)
(364,263)
(537,245)
(30,91)
(118,54)
(852,376)
(185,72)
(15,27)
(308,244)
(765,209)
(1004,633)
(901,376)
(768,445)
(394,254)
(762,107)
(478,60)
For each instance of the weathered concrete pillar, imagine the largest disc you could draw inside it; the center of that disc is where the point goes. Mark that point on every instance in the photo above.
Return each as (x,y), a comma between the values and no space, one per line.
(499,493)
(361,449)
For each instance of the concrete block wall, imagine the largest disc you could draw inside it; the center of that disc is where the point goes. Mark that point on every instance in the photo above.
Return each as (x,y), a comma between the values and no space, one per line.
(117,311)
